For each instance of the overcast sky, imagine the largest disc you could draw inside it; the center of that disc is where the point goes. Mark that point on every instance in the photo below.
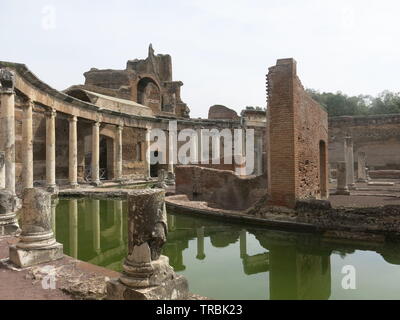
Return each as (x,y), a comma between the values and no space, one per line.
(221,49)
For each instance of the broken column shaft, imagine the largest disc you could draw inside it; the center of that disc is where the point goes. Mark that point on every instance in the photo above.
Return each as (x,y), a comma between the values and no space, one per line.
(37,243)
(147,274)
(342,188)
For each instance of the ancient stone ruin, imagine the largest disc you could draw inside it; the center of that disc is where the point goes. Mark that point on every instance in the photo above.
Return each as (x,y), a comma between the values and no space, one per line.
(147,274)
(37,243)
(297,139)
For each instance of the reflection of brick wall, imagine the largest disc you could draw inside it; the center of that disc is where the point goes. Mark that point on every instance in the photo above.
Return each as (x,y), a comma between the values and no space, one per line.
(296,125)
(219,187)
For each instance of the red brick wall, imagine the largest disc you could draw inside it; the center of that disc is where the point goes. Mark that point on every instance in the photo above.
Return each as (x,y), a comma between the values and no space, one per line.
(296,126)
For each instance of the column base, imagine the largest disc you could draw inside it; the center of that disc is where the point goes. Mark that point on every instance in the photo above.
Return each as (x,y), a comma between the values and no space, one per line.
(96,183)
(73,186)
(362,180)
(173,289)
(352,187)
(342,192)
(24,258)
(9,225)
(52,188)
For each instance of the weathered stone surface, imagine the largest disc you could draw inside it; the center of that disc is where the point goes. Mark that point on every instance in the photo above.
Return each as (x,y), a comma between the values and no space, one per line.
(362,169)
(220,188)
(147,274)
(37,243)
(9,204)
(342,188)
(173,289)
(219,112)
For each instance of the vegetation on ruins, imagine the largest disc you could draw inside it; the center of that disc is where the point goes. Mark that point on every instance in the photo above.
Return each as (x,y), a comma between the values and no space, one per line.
(340,104)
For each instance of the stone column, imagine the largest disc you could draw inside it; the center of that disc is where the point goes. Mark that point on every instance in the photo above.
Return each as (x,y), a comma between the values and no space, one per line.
(243,243)
(7,99)
(2,170)
(37,243)
(200,243)
(341,176)
(362,169)
(147,274)
(51,151)
(9,205)
(73,152)
(96,154)
(147,150)
(171,152)
(118,154)
(96,225)
(73,228)
(349,159)
(27,145)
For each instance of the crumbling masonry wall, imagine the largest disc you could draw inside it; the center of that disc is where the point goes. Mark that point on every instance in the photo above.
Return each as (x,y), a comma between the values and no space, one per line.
(297,136)
(219,187)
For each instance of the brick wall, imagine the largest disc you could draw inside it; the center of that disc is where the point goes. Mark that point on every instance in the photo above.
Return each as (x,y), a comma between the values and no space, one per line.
(297,135)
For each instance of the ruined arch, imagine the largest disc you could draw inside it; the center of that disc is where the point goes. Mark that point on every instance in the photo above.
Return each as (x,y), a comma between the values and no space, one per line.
(149,93)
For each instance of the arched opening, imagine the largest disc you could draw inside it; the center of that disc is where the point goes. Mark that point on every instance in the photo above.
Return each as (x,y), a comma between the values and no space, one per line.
(148,94)
(323,170)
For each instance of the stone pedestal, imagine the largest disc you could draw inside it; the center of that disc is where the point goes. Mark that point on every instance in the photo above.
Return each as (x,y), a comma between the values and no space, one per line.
(8,206)
(342,188)
(37,243)
(147,274)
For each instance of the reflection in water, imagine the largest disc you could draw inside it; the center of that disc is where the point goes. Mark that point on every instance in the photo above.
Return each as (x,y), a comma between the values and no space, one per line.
(220,260)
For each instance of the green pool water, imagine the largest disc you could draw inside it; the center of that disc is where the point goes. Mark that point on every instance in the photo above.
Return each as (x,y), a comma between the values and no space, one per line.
(230,261)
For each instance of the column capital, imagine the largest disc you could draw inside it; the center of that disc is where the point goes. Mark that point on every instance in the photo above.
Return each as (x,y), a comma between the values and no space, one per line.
(7,81)
(51,113)
(96,124)
(28,104)
(120,127)
(73,118)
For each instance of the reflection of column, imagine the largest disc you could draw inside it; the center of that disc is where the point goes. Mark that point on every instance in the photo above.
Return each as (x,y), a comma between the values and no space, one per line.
(349,158)
(171,222)
(118,154)
(51,150)
(96,153)
(27,145)
(200,243)
(118,215)
(96,225)
(54,203)
(73,228)
(8,124)
(243,243)
(73,152)
(148,152)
